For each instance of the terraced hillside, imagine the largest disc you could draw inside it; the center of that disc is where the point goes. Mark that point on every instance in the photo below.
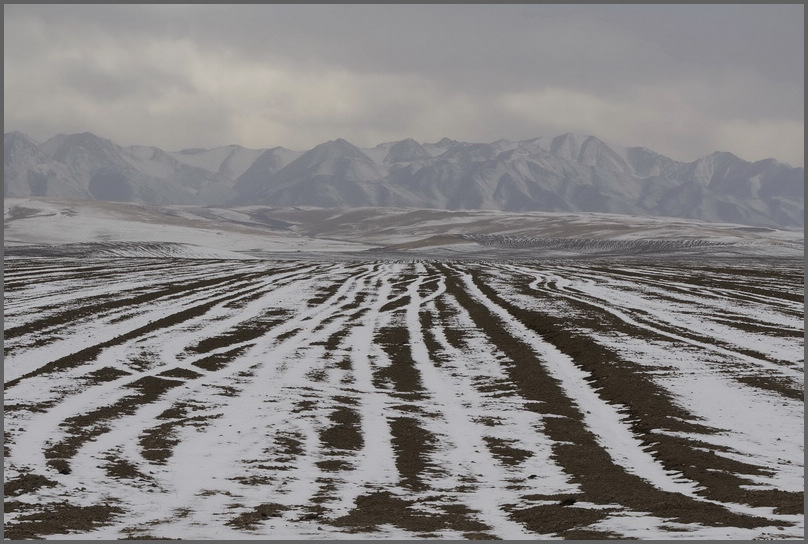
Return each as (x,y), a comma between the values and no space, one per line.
(233,399)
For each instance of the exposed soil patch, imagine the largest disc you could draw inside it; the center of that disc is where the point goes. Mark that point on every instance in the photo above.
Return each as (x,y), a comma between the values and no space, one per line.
(39,407)
(60,518)
(182,373)
(716,278)
(107,374)
(401,373)
(592,317)
(243,332)
(123,469)
(218,361)
(505,452)
(288,446)
(384,508)
(252,520)
(772,383)
(324,294)
(562,519)
(335,340)
(26,483)
(97,307)
(333,465)
(428,322)
(346,431)
(157,443)
(413,445)
(395,304)
(454,335)
(759,328)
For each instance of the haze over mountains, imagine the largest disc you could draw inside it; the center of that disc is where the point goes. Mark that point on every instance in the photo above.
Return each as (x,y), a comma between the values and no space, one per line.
(567,173)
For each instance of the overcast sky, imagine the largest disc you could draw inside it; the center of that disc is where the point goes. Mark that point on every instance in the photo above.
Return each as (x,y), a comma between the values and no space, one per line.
(683,80)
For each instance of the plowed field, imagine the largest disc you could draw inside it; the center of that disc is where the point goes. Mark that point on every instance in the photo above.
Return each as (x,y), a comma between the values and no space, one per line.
(198,399)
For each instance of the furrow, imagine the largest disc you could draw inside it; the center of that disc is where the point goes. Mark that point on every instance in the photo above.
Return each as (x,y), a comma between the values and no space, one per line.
(593,442)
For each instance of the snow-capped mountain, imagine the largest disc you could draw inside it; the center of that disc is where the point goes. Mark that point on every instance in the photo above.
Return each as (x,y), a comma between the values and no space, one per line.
(567,173)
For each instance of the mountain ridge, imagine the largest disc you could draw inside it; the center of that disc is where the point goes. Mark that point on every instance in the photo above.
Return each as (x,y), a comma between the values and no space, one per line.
(565,173)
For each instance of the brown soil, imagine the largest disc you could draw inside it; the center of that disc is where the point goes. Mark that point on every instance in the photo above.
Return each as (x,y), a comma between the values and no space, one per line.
(60,518)
(243,332)
(218,361)
(401,374)
(383,508)
(182,373)
(346,431)
(26,483)
(413,446)
(334,341)
(562,518)
(124,470)
(505,452)
(251,520)
(324,294)
(107,374)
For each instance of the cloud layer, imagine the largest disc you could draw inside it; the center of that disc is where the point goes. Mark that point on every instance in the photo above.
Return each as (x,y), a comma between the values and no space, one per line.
(685,80)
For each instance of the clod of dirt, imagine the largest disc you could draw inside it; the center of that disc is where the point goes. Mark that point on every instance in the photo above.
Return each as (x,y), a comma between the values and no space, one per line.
(250,520)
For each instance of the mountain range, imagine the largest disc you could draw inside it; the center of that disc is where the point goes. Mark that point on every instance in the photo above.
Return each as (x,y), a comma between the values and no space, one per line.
(566,173)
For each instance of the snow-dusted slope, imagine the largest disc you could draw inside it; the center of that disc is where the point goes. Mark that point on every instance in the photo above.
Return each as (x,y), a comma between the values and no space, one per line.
(59,227)
(64,227)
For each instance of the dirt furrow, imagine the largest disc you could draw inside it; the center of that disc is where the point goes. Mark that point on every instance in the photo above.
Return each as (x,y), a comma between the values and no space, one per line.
(415,447)
(762,371)
(575,448)
(98,307)
(91,353)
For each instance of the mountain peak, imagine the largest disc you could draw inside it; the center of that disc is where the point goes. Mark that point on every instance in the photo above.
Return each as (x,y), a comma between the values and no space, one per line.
(341,143)
(17,135)
(61,144)
(446,142)
(333,149)
(722,155)
(405,151)
(84,138)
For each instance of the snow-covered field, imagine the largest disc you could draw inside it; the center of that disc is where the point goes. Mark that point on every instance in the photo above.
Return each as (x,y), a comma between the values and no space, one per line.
(233,398)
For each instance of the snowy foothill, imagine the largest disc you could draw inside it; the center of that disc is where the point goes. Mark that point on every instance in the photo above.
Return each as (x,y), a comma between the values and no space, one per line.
(128,230)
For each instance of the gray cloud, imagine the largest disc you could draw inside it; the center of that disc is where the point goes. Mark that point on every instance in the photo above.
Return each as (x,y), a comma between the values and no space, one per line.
(683,79)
